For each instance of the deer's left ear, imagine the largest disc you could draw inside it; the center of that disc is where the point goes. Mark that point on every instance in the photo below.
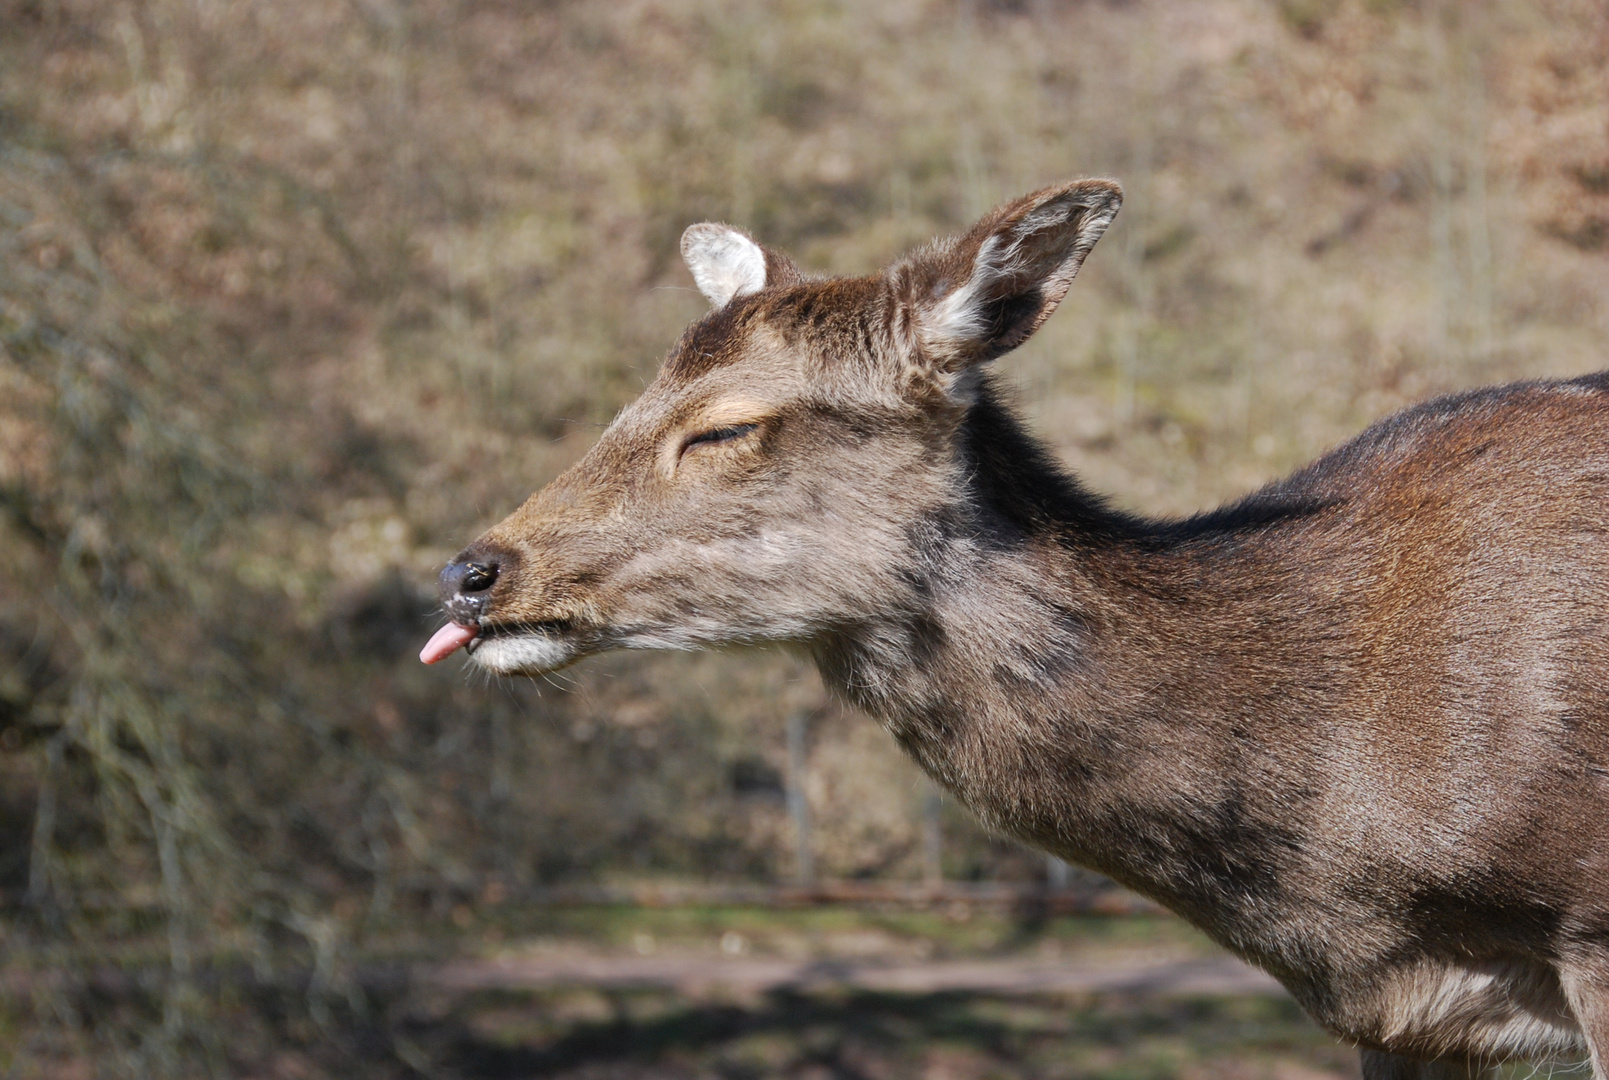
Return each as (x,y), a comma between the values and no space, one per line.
(726,263)
(986,293)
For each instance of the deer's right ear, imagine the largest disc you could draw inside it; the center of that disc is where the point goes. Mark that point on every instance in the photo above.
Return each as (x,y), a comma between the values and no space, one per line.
(984,294)
(726,263)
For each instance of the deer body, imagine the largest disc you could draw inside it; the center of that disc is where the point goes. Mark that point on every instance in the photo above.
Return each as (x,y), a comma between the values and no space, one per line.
(1322,725)
(1356,726)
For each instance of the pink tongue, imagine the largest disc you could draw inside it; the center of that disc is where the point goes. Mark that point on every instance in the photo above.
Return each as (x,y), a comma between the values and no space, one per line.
(448,640)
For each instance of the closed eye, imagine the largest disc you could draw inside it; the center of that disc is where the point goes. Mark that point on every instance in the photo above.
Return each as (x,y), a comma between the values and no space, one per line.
(729,433)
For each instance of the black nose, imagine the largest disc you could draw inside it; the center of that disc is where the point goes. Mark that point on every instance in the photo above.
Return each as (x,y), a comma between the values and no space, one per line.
(468,577)
(463,585)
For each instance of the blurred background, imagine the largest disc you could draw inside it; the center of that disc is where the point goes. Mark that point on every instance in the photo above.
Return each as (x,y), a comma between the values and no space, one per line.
(297,296)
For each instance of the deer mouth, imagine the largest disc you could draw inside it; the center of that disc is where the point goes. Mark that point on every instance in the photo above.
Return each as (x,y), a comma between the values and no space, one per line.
(525,648)
(542,627)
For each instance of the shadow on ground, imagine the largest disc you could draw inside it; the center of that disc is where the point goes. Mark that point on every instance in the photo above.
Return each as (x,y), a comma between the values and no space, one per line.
(591,1033)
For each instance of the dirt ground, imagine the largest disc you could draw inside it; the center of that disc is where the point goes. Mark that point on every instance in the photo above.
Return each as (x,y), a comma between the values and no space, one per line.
(731,992)
(570,1012)
(1142,974)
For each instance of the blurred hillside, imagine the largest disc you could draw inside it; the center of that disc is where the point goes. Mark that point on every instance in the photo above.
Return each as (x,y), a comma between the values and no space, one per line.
(297,297)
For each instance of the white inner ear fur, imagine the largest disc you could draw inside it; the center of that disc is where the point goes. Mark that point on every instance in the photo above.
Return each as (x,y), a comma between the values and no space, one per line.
(958,316)
(725,263)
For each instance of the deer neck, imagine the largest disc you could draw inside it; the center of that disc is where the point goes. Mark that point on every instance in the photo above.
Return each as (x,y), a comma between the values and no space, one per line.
(1031,673)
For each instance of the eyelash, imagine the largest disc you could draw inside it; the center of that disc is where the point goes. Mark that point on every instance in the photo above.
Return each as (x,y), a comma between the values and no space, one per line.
(730,433)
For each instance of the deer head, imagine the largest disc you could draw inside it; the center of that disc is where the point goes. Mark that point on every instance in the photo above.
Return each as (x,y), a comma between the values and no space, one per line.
(781,477)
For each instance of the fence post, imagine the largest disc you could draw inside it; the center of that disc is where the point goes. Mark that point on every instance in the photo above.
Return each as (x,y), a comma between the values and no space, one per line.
(933,837)
(798,803)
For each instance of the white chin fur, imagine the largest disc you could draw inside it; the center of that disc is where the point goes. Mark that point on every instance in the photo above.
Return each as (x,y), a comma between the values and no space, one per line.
(528,654)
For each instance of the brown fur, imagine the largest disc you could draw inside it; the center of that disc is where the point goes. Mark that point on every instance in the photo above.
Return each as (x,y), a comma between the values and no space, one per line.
(1356,726)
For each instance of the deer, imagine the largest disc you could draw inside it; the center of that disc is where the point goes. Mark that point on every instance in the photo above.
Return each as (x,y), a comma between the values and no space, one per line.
(1353,726)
